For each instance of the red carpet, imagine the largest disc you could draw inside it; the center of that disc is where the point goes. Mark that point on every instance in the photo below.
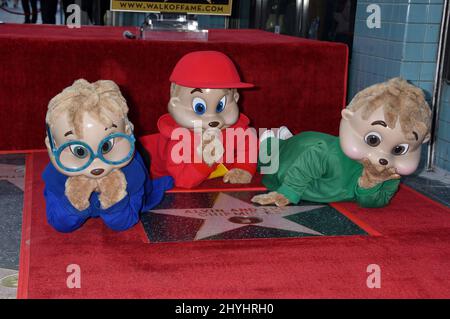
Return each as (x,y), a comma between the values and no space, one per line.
(413,251)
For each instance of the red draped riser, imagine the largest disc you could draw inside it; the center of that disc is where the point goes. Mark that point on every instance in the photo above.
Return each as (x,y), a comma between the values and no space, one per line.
(299,83)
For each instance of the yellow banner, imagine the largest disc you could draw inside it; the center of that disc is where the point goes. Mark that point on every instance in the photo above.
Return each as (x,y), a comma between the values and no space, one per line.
(210,7)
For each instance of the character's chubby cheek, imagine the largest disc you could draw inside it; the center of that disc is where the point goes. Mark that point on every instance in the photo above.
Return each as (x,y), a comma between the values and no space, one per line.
(353,147)
(230,115)
(406,165)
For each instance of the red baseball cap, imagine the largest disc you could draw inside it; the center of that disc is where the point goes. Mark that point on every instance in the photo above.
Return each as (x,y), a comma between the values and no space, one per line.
(207,70)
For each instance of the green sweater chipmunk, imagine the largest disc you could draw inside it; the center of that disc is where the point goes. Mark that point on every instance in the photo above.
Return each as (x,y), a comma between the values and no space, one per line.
(380,138)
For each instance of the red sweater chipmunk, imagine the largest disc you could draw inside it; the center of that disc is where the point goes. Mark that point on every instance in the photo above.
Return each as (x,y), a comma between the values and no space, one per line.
(204,136)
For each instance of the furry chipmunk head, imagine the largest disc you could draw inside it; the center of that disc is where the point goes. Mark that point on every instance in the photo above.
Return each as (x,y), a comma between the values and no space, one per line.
(88,128)
(213,108)
(204,90)
(387,123)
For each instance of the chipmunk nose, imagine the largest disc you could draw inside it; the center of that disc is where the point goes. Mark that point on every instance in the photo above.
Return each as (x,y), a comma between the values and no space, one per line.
(214,124)
(97,171)
(383,161)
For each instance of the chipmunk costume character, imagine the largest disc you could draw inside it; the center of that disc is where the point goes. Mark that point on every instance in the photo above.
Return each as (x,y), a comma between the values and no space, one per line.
(380,137)
(95,170)
(192,143)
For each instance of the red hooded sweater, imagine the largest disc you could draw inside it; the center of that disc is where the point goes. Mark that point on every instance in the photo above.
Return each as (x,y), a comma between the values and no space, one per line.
(191,174)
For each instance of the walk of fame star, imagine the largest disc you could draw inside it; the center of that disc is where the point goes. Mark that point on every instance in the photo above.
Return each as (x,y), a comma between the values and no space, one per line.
(230,213)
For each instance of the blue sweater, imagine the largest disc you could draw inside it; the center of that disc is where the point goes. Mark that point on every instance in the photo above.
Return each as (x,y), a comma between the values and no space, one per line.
(142,195)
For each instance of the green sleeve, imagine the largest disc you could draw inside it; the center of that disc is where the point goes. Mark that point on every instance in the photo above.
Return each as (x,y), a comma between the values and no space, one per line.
(377,196)
(310,165)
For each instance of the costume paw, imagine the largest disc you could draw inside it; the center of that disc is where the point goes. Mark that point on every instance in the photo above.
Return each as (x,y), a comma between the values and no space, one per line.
(212,147)
(271,198)
(375,174)
(78,191)
(237,176)
(113,188)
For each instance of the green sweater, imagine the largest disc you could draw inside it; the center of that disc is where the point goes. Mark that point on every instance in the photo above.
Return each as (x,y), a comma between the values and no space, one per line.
(313,167)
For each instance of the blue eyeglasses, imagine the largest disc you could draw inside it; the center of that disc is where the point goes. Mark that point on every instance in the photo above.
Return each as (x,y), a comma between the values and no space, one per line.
(76,155)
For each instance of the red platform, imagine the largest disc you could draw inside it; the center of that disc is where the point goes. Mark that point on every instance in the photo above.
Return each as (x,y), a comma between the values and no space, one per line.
(299,83)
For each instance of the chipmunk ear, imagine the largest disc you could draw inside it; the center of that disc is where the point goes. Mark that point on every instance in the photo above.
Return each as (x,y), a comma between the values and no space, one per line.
(426,139)
(236,95)
(173,86)
(129,127)
(173,102)
(347,114)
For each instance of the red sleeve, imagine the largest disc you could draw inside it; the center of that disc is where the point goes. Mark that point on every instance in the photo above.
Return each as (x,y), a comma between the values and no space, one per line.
(187,175)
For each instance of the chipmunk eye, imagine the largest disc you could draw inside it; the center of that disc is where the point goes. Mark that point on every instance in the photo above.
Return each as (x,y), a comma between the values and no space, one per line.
(373,139)
(400,149)
(79,151)
(107,146)
(199,106)
(221,105)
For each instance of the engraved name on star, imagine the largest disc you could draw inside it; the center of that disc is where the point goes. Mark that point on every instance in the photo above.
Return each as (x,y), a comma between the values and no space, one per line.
(229,213)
